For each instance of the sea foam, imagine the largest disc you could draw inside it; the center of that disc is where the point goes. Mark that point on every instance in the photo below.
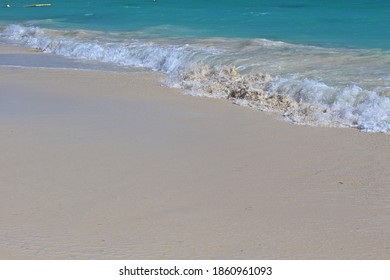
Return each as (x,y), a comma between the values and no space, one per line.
(256,73)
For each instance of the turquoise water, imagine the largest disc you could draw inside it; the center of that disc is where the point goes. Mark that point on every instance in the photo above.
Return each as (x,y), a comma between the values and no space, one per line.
(322,62)
(341,23)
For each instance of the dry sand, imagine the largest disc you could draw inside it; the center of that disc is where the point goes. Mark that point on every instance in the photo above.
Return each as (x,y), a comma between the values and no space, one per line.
(101,165)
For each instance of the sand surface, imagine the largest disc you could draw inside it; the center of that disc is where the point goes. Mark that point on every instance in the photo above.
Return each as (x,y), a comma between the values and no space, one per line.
(103,165)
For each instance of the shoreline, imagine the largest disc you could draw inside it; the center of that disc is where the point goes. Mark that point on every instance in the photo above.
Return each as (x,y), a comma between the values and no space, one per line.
(111,165)
(28,57)
(305,85)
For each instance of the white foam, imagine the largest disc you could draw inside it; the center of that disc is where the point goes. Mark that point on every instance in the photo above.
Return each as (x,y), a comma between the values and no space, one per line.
(350,106)
(203,69)
(165,58)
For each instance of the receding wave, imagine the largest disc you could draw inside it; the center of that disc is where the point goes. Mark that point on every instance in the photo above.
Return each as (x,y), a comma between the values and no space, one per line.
(304,84)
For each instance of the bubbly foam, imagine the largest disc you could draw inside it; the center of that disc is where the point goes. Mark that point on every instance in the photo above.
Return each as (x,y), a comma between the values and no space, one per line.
(271,76)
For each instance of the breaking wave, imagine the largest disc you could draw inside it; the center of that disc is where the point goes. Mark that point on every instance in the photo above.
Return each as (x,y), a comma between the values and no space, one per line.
(271,76)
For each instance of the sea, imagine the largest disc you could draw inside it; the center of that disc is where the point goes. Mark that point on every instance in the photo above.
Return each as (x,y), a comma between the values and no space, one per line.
(314,62)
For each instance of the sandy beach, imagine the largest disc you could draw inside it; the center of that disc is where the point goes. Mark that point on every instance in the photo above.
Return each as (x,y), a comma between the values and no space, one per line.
(110,165)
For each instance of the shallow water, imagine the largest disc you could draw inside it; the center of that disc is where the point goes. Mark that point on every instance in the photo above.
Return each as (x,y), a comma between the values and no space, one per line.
(335,23)
(315,62)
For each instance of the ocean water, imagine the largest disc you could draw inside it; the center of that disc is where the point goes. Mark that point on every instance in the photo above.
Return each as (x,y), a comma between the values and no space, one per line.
(319,62)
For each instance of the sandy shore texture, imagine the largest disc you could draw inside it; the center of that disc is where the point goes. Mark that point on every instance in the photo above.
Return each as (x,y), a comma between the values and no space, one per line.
(103,165)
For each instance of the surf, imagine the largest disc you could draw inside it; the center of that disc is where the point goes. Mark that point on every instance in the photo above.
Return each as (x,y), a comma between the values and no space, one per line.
(303,84)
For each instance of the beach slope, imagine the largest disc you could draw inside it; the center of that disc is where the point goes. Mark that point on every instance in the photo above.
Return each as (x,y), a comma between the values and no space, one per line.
(104,165)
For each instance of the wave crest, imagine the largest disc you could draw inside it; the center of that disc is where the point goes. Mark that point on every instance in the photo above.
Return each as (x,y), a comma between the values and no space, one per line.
(207,71)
